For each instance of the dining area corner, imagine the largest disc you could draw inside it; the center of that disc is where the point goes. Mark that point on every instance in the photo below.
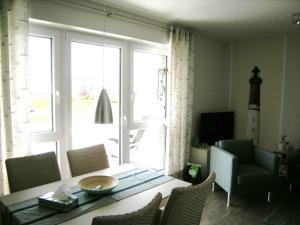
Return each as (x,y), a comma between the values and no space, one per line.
(135,189)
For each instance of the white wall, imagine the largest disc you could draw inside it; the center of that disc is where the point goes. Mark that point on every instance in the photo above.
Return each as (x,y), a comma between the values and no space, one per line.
(278,58)
(211,77)
(81,17)
(291,99)
(267,54)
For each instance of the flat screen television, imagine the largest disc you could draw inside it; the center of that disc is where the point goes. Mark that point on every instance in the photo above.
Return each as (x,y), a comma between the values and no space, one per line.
(216,126)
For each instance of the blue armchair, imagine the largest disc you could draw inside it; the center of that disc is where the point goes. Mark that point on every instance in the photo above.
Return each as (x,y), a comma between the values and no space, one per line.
(293,160)
(240,167)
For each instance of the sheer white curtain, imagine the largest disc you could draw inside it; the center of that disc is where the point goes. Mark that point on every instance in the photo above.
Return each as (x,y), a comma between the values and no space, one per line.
(14,88)
(182,73)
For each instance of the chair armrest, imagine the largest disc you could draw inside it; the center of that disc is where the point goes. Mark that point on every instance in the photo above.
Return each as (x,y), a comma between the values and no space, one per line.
(293,154)
(225,166)
(293,157)
(267,160)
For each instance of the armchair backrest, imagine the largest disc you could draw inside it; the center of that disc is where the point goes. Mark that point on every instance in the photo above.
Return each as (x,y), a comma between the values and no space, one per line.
(242,148)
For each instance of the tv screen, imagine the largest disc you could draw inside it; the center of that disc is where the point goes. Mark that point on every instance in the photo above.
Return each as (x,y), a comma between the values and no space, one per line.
(216,126)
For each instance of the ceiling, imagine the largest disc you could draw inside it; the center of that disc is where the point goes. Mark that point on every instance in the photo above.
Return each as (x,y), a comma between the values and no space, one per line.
(221,19)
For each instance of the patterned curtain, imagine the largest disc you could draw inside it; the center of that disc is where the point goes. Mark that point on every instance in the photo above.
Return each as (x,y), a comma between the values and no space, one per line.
(182,73)
(14,99)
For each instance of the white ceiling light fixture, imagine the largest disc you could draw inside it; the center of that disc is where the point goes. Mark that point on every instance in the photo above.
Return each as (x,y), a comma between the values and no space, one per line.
(296,18)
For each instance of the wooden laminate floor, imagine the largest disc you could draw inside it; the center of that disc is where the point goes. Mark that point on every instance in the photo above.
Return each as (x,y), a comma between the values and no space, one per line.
(245,209)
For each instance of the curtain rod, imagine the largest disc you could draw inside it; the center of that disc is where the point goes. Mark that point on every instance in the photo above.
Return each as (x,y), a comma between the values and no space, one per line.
(110,13)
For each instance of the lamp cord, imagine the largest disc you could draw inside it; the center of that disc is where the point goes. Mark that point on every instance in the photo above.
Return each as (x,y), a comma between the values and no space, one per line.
(103,46)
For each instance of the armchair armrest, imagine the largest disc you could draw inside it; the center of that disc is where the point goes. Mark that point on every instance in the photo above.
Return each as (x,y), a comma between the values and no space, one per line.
(266,159)
(293,157)
(293,154)
(225,166)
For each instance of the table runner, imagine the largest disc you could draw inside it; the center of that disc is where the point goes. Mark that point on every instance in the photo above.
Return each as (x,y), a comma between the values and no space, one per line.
(130,183)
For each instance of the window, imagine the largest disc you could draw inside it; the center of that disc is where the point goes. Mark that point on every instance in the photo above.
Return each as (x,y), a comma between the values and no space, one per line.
(149,87)
(67,73)
(45,83)
(150,148)
(40,84)
(149,128)
(38,148)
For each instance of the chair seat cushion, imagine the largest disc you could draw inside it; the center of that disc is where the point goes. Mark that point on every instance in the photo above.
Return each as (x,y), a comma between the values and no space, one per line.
(252,174)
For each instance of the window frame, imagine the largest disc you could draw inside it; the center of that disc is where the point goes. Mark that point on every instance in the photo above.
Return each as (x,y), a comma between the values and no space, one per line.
(54,135)
(151,49)
(62,87)
(159,49)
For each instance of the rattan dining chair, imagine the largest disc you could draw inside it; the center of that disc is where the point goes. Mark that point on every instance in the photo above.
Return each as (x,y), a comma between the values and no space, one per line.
(31,171)
(87,160)
(144,216)
(185,204)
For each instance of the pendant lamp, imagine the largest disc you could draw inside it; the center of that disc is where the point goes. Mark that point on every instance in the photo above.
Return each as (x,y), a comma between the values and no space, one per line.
(103,110)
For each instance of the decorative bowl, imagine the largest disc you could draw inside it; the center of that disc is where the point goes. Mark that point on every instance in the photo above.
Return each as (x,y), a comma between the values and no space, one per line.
(98,185)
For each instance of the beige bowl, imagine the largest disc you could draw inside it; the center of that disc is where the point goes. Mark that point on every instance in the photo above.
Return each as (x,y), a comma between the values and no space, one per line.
(97,185)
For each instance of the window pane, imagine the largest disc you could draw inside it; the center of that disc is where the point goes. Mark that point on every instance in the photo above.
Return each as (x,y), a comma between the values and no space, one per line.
(87,82)
(40,84)
(147,146)
(38,148)
(149,86)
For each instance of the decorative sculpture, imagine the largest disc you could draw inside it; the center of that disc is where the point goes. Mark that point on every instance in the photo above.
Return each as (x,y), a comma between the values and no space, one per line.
(254,107)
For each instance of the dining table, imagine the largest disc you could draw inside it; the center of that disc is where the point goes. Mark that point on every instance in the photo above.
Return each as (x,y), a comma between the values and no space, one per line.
(137,186)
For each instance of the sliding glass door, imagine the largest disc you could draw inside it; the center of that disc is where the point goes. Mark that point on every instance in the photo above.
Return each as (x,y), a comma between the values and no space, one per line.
(95,66)
(68,70)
